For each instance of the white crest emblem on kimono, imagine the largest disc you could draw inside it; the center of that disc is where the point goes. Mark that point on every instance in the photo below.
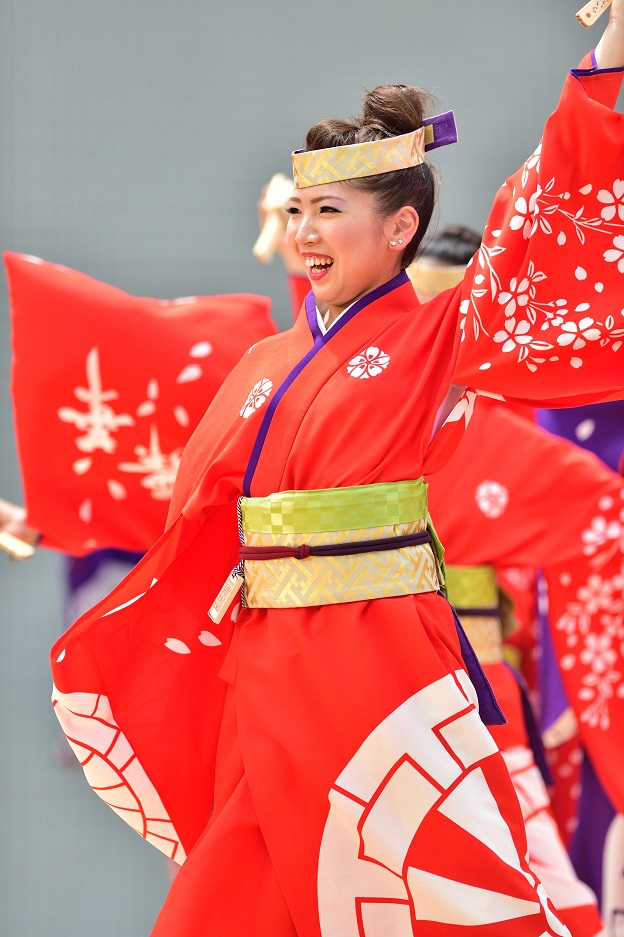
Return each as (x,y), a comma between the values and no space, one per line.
(369,363)
(492,498)
(257,396)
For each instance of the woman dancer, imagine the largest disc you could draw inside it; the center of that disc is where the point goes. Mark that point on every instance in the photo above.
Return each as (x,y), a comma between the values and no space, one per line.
(324,755)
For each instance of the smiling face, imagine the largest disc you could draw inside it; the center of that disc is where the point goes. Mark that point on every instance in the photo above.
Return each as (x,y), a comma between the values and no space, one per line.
(343,242)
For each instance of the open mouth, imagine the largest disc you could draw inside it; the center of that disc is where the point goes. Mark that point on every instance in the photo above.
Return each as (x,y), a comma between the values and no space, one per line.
(318,264)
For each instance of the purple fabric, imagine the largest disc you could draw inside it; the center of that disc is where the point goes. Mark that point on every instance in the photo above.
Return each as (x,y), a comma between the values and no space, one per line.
(532,729)
(594,818)
(444,130)
(489,710)
(598,427)
(553,699)
(319,342)
(79,569)
(310,307)
(594,70)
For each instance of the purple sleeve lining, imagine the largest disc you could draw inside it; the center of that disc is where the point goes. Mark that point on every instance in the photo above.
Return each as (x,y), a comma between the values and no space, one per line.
(594,70)
(320,341)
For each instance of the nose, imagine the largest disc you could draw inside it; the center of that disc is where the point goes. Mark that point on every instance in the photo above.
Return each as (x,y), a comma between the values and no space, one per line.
(306,232)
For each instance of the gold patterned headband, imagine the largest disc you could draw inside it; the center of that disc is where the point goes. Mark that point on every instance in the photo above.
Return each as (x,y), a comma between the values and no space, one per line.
(357,160)
(429,279)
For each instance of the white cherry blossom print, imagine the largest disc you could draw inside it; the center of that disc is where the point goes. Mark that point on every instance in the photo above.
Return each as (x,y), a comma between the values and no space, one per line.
(369,363)
(524,214)
(598,653)
(598,593)
(613,201)
(492,498)
(258,395)
(517,295)
(592,623)
(578,334)
(616,254)
(515,334)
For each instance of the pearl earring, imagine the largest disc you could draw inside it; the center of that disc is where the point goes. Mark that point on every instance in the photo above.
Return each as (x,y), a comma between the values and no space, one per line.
(393,243)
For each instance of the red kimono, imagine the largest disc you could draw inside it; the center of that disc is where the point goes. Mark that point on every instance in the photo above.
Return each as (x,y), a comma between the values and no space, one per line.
(336,778)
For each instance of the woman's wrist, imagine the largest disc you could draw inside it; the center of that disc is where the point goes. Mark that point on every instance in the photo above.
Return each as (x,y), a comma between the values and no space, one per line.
(609,52)
(13,521)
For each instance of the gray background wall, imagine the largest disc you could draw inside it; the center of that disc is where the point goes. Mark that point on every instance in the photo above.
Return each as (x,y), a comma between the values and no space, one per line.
(135,138)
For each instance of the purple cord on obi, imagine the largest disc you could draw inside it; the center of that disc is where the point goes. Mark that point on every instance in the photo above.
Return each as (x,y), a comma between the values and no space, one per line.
(334,549)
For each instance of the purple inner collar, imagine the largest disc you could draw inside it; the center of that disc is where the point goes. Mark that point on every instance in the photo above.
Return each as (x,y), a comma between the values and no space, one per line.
(310,305)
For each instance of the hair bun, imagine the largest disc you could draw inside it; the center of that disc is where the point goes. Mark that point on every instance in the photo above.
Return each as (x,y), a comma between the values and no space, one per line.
(394,109)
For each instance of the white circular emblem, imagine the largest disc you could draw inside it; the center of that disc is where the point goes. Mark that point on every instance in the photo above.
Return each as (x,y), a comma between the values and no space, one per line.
(492,498)
(368,363)
(257,396)
(420,770)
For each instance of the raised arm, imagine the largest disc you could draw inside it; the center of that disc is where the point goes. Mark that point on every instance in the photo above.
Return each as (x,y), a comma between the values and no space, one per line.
(541,308)
(610,50)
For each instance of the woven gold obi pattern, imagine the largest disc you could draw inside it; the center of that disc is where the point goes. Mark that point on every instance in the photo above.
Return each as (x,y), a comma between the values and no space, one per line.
(475,587)
(331,516)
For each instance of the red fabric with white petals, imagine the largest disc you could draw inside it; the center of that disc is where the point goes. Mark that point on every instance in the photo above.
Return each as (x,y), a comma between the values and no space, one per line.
(108,388)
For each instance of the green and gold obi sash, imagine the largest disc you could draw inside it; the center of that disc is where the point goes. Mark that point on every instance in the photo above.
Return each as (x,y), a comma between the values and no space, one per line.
(344,524)
(473,592)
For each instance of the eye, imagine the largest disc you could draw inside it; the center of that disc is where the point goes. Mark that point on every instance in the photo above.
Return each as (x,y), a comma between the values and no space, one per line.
(292,210)
(329,208)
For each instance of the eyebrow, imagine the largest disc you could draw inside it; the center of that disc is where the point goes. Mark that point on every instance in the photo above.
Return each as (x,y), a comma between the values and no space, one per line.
(319,198)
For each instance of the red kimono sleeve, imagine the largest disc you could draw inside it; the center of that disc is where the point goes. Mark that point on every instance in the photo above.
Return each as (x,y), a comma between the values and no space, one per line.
(541,315)
(107,389)
(513,495)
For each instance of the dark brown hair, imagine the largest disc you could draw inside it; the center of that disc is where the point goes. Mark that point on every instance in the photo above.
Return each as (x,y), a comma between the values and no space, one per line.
(387,111)
(455,245)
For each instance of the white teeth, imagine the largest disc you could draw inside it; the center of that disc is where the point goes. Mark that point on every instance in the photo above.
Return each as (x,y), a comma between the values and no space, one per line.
(317,262)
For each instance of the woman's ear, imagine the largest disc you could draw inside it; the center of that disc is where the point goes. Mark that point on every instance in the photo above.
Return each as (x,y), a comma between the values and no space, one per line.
(400,227)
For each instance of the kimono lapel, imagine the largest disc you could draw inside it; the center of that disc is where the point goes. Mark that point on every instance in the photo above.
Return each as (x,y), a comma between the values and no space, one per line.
(358,328)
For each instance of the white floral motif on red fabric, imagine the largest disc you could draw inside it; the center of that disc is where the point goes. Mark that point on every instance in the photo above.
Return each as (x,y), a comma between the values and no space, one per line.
(595,654)
(492,498)
(113,770)
(616,253)
(257,396)
(159,468)
(613,201)
(99,421)
(605,535)
(529,310)
(417,772)
(369,363)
